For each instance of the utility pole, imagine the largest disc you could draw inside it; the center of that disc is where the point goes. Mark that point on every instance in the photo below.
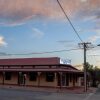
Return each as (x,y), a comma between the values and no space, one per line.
(85,69)
(84,46)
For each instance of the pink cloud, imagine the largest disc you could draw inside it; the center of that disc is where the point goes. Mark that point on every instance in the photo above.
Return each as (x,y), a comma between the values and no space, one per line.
(18,11)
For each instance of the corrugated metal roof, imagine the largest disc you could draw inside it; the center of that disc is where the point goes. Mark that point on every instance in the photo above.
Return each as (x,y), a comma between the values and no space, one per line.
(30,61)
(51,61)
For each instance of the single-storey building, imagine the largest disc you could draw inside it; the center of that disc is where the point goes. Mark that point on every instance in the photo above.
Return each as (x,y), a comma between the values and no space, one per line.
(39,72)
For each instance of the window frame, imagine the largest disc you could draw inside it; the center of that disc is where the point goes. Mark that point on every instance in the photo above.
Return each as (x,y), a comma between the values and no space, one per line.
(50,77)
(33,76)
(8,75)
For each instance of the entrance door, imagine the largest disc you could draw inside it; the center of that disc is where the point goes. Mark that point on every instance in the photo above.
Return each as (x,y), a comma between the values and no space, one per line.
(64,79)
(67,79)
(61,79)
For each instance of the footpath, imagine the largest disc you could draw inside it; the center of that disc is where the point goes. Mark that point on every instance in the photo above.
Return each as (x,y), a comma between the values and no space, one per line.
(76,90)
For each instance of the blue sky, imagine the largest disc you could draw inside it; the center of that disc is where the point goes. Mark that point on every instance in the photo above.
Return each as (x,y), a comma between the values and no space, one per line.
(32,26)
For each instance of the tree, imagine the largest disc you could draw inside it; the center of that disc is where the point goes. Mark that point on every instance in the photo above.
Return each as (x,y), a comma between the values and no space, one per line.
(93,74)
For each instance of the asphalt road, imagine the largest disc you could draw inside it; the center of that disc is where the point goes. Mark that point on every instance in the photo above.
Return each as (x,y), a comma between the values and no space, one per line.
(15,94)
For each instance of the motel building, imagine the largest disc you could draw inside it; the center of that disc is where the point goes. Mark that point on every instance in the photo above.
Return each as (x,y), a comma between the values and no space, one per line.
(39,72)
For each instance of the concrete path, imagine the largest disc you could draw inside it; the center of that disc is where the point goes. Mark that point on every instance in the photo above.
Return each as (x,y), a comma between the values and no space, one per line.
(17,93)
(75,90)
(13,94)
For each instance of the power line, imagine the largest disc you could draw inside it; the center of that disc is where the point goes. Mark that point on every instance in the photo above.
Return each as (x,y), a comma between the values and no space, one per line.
(35,53)
(69,20)
(94,55)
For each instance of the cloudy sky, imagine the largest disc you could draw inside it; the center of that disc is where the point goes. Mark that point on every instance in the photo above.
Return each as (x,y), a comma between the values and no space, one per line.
(35,26)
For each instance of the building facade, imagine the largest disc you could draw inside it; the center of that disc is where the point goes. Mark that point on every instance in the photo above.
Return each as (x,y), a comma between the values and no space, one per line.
(39,72)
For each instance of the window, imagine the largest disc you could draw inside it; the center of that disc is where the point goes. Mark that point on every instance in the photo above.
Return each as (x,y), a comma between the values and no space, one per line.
(33,76)
(8,75)
(50,77)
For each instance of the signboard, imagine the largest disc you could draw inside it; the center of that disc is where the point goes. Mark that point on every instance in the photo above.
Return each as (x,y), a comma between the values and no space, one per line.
(65,61)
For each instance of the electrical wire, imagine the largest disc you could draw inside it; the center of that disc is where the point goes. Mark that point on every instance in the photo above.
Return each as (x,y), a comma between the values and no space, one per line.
(35,53)
(69,20)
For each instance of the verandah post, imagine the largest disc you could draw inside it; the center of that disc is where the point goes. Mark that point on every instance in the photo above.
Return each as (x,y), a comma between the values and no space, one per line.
(39,73)
(3,78)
